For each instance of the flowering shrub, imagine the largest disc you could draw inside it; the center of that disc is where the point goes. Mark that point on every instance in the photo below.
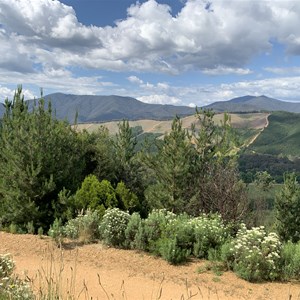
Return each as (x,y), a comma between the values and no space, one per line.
(256,254)
(113,226)
(210,233)
(11,287)
(84,227)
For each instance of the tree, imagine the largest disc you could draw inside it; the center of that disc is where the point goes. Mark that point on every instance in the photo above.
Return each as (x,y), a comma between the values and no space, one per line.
(287,205)
(215,179)
(39,156)
(171,170)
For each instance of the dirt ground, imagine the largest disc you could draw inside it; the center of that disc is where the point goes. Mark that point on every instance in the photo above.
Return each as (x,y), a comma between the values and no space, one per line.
(97,272)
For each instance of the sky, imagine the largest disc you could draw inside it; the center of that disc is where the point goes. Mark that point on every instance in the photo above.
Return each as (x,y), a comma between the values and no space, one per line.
(181,52)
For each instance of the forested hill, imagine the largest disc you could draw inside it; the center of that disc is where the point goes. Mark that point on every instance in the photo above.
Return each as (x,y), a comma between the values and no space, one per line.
(254,104)
(108,108)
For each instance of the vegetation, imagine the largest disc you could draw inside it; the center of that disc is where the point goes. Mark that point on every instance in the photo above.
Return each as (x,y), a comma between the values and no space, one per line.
(281,137)
(177,197)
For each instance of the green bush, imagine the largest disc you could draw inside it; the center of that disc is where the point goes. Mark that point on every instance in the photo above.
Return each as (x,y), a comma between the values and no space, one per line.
(94,194)
(84,227)
(113,225)
(290,257)
(210,233)
(177,239)
(256,254)
(171,251)
(56,230)
(132,232)
(153,228)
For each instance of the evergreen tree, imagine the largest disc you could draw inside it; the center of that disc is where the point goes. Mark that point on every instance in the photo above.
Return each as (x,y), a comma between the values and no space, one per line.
(287,205)
(39,156)
(171,169)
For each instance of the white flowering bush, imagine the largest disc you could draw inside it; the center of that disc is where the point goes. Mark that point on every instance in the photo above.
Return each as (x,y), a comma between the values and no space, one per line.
(256,254)
(12,287)
(113,225)
(210,233)
(84,227)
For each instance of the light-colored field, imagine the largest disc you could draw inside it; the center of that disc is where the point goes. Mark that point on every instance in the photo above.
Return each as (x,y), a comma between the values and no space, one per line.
(251,120)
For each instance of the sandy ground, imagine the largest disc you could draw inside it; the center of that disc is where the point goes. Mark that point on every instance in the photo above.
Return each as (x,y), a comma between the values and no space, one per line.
(125,274)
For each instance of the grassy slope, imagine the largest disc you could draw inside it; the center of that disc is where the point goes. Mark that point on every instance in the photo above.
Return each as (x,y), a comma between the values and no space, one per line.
(282,136)
(242,121)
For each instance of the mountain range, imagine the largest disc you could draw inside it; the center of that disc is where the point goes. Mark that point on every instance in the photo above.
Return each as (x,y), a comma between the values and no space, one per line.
(108,108)
(254,104)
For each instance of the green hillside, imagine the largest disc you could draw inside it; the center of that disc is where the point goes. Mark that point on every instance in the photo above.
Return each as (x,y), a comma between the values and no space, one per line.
(281,137)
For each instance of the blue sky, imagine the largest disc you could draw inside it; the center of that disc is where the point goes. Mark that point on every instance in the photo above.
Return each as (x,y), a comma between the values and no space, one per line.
(182,52)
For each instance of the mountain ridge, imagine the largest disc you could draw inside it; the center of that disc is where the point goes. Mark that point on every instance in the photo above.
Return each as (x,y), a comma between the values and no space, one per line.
(98,109)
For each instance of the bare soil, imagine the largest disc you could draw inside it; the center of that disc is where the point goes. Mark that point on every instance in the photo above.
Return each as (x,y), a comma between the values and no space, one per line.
(126,274)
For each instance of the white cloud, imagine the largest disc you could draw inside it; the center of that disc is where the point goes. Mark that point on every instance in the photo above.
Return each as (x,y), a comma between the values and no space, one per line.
(221,39)
(221,70)
(135,79)
(160,99)
(6,93)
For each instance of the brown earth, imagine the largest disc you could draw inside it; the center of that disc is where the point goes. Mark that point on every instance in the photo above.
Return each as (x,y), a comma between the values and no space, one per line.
(126,274)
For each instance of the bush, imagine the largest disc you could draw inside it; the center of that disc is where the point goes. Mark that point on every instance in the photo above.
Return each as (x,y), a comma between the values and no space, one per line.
(12,287)
(256,254)
(171,250)
(210,233)
(56,230)
(177,239)
(153,228)
(84,227)
(132,232)
(290,257)
(113,226)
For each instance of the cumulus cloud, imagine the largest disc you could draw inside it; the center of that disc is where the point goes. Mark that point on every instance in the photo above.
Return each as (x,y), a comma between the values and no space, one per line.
(218,38)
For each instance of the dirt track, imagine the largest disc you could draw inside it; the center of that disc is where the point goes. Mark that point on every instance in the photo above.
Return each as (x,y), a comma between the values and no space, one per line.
(128,274)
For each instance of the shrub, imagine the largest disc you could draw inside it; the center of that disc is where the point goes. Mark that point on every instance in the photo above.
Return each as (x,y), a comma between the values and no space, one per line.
(210,233)
(177,238)
(153,227)
(84,227)
(132,231)
(12,287)
(94,194)
(290,257)
(171,250)
(113,226)
(56,230)
(256,254)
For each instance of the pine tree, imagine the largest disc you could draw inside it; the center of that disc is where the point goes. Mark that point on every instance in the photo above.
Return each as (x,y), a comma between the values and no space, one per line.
(39,156)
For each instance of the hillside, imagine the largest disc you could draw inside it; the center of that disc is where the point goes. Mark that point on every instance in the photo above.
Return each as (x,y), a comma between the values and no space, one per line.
(241,121)
(107,108)
(254,104)
(281,137)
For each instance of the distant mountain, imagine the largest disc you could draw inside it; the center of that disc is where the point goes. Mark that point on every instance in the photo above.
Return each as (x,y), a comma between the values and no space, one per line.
(107,108)
(253,104)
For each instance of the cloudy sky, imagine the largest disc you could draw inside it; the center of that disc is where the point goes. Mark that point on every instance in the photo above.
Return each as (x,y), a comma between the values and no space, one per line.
(183,52)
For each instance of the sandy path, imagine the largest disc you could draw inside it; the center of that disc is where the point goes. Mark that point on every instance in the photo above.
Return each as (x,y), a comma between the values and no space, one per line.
(130,275)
